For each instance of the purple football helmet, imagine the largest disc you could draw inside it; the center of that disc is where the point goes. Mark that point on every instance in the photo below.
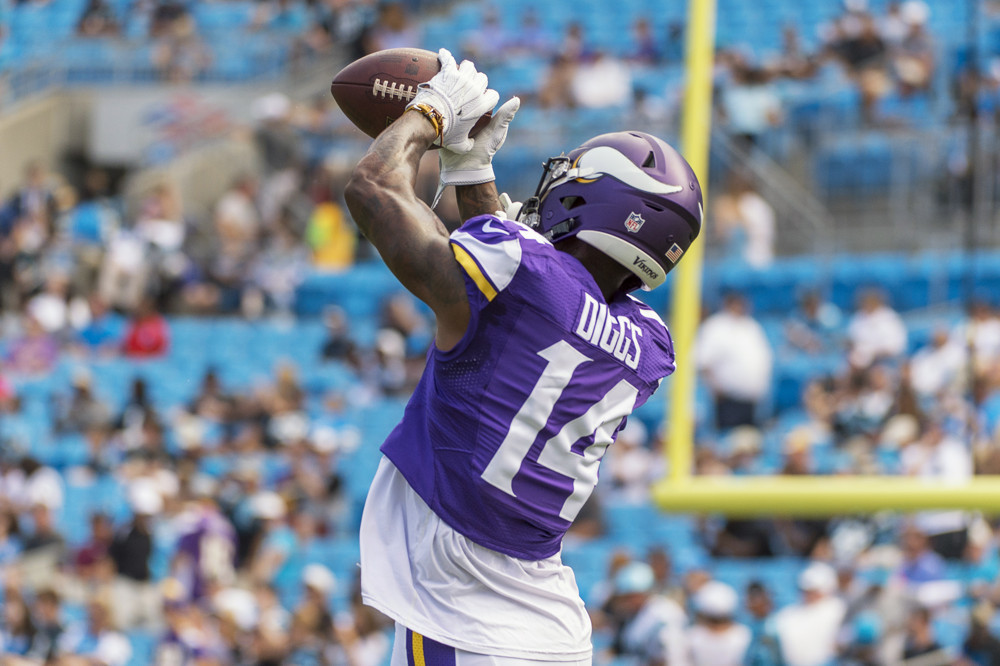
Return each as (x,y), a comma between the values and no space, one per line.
(628,194)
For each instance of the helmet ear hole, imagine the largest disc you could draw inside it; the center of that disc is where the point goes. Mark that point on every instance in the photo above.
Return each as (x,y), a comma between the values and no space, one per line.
(569,203)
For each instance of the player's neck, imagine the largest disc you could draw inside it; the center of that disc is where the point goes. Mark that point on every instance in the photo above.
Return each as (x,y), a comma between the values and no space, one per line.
(607,273)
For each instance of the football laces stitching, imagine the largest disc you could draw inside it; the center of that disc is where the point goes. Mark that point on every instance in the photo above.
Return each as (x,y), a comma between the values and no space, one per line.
(391,90)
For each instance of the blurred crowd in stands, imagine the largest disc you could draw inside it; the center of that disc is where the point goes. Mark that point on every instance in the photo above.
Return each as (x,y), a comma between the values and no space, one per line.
(877,53)
(229,539)
(88,276)
(892,52)
(182,51)
(70,256)
(645,614)
(879,589)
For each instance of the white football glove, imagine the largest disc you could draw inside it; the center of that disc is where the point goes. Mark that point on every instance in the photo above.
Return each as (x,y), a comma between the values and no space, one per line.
(459,93)
(476,165)
(509,209)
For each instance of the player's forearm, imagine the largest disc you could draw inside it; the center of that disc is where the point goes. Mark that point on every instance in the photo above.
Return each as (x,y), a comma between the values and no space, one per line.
(409,237)
(478,199)
(388,171)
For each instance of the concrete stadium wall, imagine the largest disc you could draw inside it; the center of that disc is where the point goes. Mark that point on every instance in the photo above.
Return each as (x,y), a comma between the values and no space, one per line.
(201,175)
(49,127)
(43,129)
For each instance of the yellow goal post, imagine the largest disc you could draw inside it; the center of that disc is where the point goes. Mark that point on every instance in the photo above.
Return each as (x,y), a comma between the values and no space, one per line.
(761,495)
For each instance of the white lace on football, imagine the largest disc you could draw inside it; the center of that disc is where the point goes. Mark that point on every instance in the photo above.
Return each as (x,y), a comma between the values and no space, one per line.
(391,89)
(606,160)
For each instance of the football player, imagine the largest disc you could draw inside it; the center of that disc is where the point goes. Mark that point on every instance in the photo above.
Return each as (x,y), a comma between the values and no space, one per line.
(540,355)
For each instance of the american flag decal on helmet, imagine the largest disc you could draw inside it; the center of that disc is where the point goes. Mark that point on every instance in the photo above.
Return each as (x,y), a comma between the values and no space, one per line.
(674,253)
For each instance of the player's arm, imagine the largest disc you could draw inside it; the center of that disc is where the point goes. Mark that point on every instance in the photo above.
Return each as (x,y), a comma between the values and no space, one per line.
(481,199)
(412,240)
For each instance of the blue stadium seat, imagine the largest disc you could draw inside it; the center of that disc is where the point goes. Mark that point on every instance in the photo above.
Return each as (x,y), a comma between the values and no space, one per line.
(229,17)
(88,60)
(30,21)
(230,63)
(137,25)
(143,647)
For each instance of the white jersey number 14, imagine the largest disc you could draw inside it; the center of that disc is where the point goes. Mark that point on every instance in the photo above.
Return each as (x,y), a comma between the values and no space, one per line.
(600,421)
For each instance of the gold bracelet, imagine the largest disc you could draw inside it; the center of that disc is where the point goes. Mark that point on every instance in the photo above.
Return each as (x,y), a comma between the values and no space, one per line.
(431,114)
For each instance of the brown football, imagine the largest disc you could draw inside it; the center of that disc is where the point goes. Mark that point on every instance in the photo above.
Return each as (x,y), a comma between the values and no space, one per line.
(374,91)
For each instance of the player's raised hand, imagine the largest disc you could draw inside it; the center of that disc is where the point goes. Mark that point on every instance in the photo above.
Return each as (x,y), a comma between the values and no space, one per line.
(461,96)
(476,165)
(509,210)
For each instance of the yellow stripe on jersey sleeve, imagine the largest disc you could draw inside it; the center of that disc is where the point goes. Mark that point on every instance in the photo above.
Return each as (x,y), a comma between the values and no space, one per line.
(472,268)
(497,259)
(418,649)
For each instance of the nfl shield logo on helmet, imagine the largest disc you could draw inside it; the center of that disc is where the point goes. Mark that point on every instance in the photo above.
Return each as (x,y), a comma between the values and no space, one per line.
(674,253)
(634,222)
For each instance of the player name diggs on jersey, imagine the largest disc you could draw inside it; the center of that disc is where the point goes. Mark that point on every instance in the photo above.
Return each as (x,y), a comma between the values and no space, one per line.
(618,336)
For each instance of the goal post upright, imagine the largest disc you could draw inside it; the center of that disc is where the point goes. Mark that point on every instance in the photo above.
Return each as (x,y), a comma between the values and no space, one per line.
(696,125)
(680,491)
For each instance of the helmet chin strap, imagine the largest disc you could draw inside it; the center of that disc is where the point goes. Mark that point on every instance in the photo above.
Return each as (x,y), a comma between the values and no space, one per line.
(561,229)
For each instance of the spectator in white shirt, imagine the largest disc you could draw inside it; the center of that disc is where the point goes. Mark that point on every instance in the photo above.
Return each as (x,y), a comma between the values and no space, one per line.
(875,331)
(750,103)
(95,643)
(237,222)
(747,221)
(938,455)
(735,359)
(807,631)
(716,639)
(601,83)
(652,626)
(629,464)
(936,366)
(42,485)
(980,333)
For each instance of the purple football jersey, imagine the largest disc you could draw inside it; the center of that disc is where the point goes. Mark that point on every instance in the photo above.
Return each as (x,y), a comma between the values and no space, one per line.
(206,545)
(504,433)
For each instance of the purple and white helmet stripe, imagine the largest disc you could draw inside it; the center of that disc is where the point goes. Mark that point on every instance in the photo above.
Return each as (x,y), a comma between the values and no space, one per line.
(609,161)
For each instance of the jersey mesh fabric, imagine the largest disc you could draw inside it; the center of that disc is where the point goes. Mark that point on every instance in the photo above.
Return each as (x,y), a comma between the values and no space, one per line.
(531,304)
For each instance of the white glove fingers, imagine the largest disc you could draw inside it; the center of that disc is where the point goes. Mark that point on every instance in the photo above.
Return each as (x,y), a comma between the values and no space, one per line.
(486,102)
(471,83)
(505,113)
(480,83)
(462,95)
(446,59)
(496,131)
(467,70)
(508,209)
(501,119)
